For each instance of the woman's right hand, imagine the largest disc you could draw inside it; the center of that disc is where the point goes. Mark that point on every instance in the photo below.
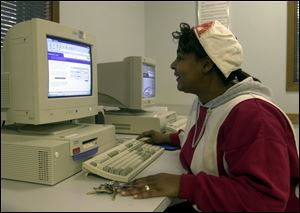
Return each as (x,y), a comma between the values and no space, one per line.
(155,137)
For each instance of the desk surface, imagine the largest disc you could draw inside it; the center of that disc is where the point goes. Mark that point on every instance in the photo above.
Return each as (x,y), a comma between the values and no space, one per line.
(70,194)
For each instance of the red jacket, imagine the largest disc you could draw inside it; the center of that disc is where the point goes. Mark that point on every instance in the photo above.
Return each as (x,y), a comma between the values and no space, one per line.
(246,159)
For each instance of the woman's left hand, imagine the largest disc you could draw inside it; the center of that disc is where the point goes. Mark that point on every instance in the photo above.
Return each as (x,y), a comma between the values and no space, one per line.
(152,186)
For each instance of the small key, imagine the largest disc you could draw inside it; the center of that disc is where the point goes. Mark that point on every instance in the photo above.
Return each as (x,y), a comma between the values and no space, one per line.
(114,194)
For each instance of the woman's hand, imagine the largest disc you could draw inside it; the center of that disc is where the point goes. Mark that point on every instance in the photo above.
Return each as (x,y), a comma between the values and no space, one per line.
(155,137)
(152,186)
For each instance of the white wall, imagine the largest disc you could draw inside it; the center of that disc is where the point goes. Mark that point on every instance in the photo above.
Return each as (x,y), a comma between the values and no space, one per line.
(119,26)
(163,18)
(261,28)
(144,28)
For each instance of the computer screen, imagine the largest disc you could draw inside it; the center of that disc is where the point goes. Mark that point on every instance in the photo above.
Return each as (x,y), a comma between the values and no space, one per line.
(148,81)
(70,68)
(52,73)
(129,84)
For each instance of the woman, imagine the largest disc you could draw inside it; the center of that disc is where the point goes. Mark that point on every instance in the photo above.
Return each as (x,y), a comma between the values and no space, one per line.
(238,149)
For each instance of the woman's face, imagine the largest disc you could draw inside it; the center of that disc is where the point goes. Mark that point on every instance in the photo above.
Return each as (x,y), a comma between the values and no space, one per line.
(188,71)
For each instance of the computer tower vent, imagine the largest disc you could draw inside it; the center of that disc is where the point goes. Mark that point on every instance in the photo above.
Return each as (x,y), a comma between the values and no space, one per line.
(43,162)
(5,90)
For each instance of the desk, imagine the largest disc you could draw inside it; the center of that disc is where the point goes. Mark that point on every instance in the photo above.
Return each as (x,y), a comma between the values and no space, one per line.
(70,194)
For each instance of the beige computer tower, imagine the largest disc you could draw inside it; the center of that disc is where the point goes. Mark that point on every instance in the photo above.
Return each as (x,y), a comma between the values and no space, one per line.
(36,160)
(48,159)
(136,124)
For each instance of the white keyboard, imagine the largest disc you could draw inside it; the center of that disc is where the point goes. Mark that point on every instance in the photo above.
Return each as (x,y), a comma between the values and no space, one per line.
(123,162)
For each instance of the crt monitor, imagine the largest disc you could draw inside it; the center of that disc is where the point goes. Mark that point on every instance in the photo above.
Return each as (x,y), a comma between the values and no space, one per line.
(52,73)
(129,84)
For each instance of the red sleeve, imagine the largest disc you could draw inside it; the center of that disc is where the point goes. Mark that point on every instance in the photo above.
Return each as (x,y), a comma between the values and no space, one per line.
(256,142)
(174,138)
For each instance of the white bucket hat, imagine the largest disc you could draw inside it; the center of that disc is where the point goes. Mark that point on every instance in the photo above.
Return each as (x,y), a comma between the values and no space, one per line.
(220,45)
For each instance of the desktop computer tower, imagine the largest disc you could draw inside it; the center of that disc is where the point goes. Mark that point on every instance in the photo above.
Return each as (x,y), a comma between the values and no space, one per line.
(49,159)
(127,123)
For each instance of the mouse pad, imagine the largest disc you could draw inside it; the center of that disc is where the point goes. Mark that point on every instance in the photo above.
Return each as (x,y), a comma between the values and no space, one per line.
(169,147)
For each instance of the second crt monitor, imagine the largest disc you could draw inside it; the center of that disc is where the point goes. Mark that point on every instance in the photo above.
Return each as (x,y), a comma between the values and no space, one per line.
(128,84)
